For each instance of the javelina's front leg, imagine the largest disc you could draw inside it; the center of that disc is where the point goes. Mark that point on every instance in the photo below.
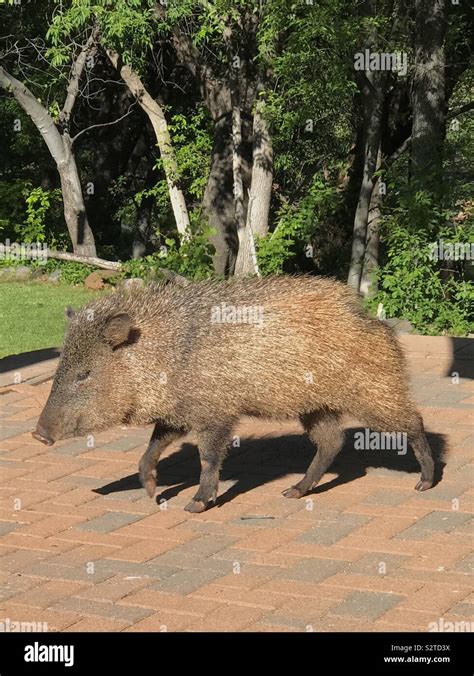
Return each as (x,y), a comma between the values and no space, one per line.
(161,437)
(212,448)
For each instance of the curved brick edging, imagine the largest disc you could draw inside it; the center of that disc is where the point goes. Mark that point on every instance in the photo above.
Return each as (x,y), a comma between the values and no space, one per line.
(28,366)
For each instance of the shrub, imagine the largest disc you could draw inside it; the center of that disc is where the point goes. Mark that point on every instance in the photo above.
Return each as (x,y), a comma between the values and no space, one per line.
(435,296)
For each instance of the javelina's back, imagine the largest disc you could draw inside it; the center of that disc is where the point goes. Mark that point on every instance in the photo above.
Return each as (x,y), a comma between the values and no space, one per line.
(276,347)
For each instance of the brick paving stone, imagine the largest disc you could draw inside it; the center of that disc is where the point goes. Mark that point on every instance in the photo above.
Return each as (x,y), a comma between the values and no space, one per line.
(436,597)
(240,597)
(312,570)
(16,560)
(195,561)
(113,589)
(73,448)
(308,549)
(156,600)
(444,491)
(14,430)
(97,624)
(245,579)
(51,525)
(435,521)
(463,609)
(43,618)
(133,495)
(123,444)
(81,555)
(109,522)
(186,581)
(205,545)
(413,620)
(378,583)
(376,563)
(266,541)
(387,498)
(7,527)
(163,622)
(67,573)
(282,622)
(228,618)
(45,595)
(330,532)
(465,565)
(366,605)
(32,542)
(102,609)
(81,513)
(16,585)
(176,535)
(143,551)
(140,570)
(298,589)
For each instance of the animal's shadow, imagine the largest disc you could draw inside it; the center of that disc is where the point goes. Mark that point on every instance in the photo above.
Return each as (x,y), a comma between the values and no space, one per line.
(261,460)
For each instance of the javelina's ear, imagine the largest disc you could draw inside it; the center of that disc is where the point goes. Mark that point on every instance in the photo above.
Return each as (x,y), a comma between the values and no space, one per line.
(117,329)
(69,312)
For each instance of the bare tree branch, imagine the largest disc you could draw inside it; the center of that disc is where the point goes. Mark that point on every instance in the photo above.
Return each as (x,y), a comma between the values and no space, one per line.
(103,264)
(454,112)
(160,126)
(105,124)
(76,73)
(93,261)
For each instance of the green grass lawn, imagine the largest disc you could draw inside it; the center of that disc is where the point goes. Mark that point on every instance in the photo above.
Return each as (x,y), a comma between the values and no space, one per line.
(32,314)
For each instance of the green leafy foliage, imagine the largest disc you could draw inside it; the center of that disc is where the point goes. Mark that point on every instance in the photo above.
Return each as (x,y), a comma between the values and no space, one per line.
(297,227)
(192,259)
(38,203)
(436,296)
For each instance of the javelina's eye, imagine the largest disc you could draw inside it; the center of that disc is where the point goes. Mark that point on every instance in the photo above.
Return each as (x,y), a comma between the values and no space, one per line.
(82,377)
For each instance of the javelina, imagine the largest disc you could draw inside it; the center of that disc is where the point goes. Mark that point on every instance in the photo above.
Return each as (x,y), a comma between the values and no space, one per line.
(199,357)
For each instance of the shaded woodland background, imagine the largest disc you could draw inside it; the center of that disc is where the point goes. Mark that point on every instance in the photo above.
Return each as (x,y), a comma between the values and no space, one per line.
(236,138)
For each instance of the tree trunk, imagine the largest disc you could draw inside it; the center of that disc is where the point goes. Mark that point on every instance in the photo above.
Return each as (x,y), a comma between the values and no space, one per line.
(74,207)
(157,118)
(368,286)
(373,105)
(61,150)
(262,173)
(218,202)
(260,195)
(143,232)
(428,97)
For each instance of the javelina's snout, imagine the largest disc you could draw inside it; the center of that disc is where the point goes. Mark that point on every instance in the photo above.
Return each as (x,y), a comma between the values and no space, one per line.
(42,434)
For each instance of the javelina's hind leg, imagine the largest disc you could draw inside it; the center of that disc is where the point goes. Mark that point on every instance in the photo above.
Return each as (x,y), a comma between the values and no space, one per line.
(422,451)
(325,431)
(161,437)
(212,444)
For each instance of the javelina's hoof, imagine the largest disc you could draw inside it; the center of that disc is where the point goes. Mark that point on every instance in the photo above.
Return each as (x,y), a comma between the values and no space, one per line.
(423,485)
(150,487)
(196,507)
(148,481)
(292,492)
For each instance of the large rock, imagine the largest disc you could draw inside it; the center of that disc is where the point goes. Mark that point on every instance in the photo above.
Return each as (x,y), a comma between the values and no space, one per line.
(55,276)
(7,273)
(400,325)
(22,272)
(95,281)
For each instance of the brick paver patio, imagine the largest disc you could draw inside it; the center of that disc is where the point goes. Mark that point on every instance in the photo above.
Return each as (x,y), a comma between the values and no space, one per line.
(83,549)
